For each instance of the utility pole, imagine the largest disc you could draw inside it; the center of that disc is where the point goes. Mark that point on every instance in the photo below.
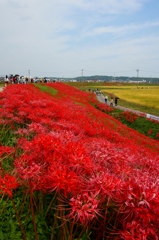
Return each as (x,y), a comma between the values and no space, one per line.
(137,70)
(82,73)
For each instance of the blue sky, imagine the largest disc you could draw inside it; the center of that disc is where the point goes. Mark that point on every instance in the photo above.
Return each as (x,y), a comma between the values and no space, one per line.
(60,38)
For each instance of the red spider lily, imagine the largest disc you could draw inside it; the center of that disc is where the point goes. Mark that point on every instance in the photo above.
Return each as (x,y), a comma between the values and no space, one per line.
(106,184)
(149,132)
(129,116)
(140,204)
(61,179)
(46,164)
(84,207)
(77,158)
(135,231)
(37,157)
(104,107)
(157,135)
(7,184)
(5,150)
(143,114)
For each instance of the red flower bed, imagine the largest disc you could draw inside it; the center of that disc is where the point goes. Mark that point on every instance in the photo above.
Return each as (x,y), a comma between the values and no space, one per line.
(104,107)
(129,116)
(105,173)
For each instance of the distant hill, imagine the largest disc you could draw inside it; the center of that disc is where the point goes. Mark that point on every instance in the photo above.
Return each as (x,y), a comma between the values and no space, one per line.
(108,79)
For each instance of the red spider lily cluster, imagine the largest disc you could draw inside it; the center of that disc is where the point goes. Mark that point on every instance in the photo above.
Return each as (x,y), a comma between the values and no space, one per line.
(104,107)
(7,184)
(129,116)
(106,173)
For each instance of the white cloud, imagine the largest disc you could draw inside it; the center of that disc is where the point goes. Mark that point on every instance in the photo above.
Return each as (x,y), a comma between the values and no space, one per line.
(110,6)
(122,29)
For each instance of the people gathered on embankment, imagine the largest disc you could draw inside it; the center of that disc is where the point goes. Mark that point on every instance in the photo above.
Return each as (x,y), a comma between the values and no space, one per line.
(17,79)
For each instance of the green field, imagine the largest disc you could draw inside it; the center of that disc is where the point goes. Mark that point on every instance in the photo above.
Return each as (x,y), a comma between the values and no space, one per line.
(141,97)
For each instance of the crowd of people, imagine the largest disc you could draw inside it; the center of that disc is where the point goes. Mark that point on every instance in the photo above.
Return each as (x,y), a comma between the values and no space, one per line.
(15,79)
(113,99)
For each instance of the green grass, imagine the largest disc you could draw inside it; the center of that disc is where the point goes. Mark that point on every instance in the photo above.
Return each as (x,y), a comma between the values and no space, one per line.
(46,89)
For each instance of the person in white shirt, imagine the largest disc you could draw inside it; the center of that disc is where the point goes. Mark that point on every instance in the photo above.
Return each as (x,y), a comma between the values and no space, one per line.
(6,81)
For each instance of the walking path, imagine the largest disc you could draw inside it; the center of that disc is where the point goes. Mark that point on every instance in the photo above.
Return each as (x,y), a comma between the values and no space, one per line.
(101,98)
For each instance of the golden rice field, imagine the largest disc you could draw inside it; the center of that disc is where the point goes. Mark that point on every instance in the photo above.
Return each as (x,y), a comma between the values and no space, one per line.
(140,97)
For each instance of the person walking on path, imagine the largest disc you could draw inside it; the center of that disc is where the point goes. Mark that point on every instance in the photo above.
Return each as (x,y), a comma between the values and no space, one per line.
(116,101)
(111,101)
(106,99)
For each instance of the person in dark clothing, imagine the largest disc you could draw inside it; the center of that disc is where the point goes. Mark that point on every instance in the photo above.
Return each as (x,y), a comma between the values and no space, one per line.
(116,101)
(106,99)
